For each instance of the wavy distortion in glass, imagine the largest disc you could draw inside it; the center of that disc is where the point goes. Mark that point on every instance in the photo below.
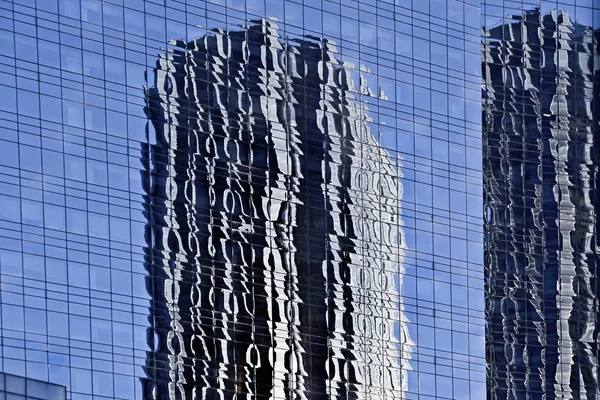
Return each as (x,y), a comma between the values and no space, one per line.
(275,242)
(540,161)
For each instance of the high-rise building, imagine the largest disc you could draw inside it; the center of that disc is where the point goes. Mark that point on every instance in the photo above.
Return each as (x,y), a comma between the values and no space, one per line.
(541,130)
(258,199)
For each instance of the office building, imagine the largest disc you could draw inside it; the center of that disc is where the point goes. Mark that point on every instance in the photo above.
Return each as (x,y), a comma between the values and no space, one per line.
(242,199)
(19,388)
(541,169)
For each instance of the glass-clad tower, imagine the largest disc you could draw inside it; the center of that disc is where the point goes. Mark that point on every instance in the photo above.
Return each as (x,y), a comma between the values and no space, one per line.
(541,131)
(250,199)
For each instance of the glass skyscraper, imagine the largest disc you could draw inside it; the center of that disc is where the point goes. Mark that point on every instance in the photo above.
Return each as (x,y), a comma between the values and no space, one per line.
(277,199)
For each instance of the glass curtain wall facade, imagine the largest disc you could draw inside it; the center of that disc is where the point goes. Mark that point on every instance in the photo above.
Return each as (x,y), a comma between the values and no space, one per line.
(541,130)
(256,199)
(13,387)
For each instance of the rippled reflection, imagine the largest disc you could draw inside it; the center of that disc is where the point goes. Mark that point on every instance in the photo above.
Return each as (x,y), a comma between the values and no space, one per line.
(541,171)
(275,243)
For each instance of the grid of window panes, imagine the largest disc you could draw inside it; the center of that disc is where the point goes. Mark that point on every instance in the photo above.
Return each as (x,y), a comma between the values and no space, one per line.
(14,387)
(540,147)
(79,307)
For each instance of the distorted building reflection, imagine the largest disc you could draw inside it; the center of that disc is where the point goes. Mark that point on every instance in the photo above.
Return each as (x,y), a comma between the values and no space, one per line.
(275,242)
(540,162)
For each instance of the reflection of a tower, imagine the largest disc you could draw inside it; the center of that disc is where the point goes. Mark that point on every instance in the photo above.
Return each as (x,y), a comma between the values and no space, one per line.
(275,246)
(540,166)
